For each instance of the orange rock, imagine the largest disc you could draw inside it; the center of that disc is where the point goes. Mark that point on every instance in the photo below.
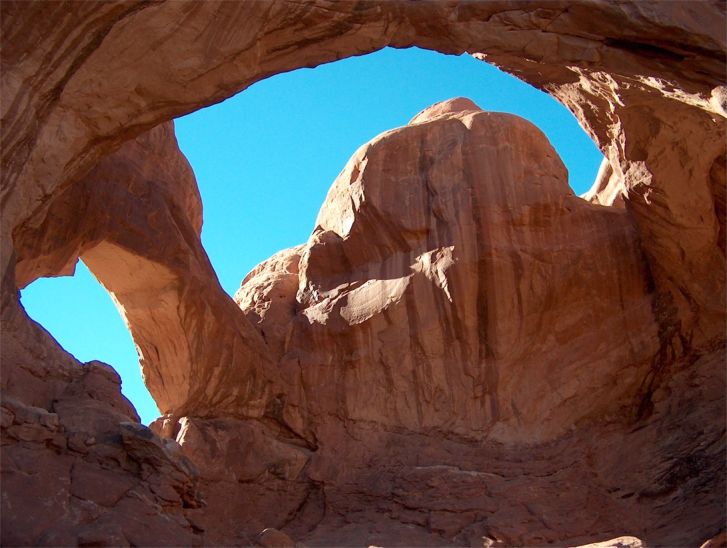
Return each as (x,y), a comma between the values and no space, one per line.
(444,283)
(273,538)
(719,541)
(463,351)
(150,258)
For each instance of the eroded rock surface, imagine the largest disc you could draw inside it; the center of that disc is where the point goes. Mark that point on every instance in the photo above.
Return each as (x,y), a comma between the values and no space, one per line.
(443,289)
(463,351)
(150,258)
(82,471)
(440,297)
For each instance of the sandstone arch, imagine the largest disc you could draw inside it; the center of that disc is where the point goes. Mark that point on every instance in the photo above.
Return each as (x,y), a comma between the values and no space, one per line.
(135,220)
(646,79)
(643,79)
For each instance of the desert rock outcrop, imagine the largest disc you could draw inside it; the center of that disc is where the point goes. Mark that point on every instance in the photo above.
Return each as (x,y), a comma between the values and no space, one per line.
(152,262)
(463,351)
(443,288)
(440,297)
(81,470)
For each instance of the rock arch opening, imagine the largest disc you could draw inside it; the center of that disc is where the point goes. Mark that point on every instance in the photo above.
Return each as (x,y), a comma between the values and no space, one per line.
(253,160)
(79,314)
(265,158)
(646,79)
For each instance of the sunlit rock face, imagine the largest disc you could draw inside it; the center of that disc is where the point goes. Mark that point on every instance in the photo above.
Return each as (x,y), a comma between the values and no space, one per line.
(443,289)
(462,352)
(435,344)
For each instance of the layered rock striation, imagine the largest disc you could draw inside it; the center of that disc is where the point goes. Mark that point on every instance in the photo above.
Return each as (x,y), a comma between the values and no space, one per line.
(462,352)
(440,297)
(443,287)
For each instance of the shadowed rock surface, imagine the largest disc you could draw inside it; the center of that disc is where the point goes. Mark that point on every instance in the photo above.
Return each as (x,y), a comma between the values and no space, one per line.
(462,352)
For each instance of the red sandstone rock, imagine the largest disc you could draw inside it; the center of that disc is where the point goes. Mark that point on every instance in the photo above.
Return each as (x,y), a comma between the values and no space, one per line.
(412,230)
(574,393)
(620,542)
(456,106)
(87,472)
(720,541)
(449,263)
(151,260)
(273,538)
(636,74)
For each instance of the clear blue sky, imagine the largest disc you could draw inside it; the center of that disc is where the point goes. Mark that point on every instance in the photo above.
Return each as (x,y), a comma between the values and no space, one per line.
(265,159)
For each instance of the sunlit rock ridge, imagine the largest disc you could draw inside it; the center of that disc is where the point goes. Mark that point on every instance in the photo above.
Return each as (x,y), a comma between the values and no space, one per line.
(462,352)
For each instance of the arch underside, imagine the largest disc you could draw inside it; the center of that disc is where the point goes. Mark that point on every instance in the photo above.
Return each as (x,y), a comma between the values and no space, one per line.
(89,172)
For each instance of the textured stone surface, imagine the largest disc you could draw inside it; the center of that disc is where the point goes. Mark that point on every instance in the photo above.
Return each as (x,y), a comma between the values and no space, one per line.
(440,297)
(151,260)
(273,538)
(449,264)
(637,75)
(85,472)
(574,393)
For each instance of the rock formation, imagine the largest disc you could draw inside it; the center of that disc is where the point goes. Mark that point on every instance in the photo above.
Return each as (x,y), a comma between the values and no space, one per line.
(462,352)
(440,297)
(151,260)
(450,263)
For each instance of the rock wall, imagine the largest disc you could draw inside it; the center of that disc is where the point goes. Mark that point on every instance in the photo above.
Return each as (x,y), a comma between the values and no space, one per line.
(443,289)
(437,353)
(496,359)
